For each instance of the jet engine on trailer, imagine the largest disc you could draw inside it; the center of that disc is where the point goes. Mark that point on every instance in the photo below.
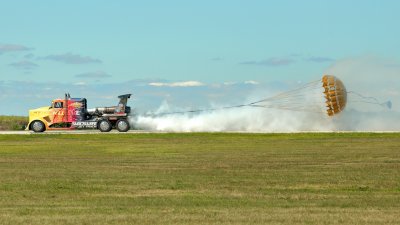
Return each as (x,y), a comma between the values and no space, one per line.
(72,113)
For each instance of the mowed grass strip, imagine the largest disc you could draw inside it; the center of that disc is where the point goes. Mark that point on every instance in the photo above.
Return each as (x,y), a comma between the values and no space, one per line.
(200,178)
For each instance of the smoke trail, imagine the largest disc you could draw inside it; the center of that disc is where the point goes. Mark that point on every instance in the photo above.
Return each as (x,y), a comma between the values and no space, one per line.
(248,119)
(239,119)
(243,117)
(370,76)
(269,120)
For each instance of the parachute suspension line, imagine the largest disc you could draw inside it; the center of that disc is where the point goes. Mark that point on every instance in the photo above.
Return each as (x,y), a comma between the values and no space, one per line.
(195,111)
(298,109)
(371,100)
(364,97)
(290,100)
(290,93)
(330,88)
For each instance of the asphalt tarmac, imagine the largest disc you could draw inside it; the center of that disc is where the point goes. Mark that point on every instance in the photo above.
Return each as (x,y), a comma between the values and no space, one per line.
(154,131)
(77,132)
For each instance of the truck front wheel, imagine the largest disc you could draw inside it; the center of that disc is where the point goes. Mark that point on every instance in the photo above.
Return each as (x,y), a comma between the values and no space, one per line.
(104,126)
(38,126)
(122,125)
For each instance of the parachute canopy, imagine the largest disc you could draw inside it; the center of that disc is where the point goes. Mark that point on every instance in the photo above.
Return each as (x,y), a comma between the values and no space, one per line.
(327,95)
(335,94)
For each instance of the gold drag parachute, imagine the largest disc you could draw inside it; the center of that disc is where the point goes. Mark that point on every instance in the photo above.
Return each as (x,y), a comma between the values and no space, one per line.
(335,94)
(327,95)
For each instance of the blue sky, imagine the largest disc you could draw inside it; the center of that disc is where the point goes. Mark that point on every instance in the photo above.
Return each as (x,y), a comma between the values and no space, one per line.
(164,47)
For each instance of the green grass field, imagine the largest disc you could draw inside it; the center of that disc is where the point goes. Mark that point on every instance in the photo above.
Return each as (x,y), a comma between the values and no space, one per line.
(13,122)
(200,178)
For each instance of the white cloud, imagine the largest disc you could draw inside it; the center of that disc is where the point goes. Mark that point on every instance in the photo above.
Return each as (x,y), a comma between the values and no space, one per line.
(177,84)
(229,83)
(80,83)
(253,82)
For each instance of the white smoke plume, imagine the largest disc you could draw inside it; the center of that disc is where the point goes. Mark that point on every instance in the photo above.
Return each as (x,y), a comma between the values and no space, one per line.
(240,119)
(268,120)
(368,75)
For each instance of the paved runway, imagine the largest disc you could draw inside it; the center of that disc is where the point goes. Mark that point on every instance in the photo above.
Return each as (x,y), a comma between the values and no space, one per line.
(78,132)
(153,131)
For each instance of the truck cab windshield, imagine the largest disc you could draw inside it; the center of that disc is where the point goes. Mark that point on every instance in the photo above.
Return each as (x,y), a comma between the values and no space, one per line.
(58,105)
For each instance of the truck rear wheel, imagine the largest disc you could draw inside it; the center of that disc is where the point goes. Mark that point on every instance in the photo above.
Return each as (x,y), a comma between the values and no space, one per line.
(122,125)
(38,126)
(104,126)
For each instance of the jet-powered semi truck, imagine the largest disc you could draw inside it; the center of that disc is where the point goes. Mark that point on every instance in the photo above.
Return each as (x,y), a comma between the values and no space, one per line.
(72,113)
